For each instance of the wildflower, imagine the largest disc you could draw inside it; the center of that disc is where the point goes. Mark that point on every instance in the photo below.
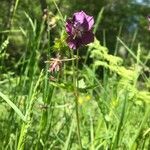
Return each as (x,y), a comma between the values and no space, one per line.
(79,29)
(83,99)
(88,97)
(80,100)
(55,64)
(114,103)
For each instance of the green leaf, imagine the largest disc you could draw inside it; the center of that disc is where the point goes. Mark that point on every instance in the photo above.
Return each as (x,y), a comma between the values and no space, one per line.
(12,105)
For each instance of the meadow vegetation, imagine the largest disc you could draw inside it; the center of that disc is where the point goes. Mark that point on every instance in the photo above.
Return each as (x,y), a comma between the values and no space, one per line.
(54,97)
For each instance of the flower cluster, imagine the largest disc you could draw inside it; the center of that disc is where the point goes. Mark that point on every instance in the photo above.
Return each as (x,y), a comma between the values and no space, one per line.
(79,29)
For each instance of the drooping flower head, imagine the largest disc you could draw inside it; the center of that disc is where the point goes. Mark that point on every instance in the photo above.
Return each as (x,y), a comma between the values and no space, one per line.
(79,29)
(55,64)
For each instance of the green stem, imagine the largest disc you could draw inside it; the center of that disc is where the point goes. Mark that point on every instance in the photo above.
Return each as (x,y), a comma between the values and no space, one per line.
(75,83)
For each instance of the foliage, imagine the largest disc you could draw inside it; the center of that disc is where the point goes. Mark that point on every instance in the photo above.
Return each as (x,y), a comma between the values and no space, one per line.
(97,100)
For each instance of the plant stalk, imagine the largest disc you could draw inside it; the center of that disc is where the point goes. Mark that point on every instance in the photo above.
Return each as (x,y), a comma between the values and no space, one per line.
(76,94)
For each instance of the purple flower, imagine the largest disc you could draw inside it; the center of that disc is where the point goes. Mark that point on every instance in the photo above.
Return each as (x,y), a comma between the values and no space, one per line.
(79,29)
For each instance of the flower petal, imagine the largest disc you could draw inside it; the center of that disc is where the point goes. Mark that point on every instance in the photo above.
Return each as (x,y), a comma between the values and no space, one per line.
(69,27)
(90,21)
(87,38)
(73,43)
(84,19)
(79,17)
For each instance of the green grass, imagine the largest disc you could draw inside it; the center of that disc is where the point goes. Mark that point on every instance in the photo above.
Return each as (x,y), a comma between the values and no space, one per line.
(37,113)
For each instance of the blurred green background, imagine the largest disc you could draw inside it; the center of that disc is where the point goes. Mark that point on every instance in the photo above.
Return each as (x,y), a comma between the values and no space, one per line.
(125,18)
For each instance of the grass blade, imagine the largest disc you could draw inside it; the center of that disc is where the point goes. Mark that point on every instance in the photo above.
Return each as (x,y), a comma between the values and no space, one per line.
(13,106)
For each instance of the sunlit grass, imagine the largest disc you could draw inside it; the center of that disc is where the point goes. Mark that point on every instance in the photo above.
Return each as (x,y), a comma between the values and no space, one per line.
(37,113)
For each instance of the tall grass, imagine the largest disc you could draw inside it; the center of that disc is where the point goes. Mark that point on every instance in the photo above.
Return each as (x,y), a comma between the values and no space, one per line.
(97,107)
